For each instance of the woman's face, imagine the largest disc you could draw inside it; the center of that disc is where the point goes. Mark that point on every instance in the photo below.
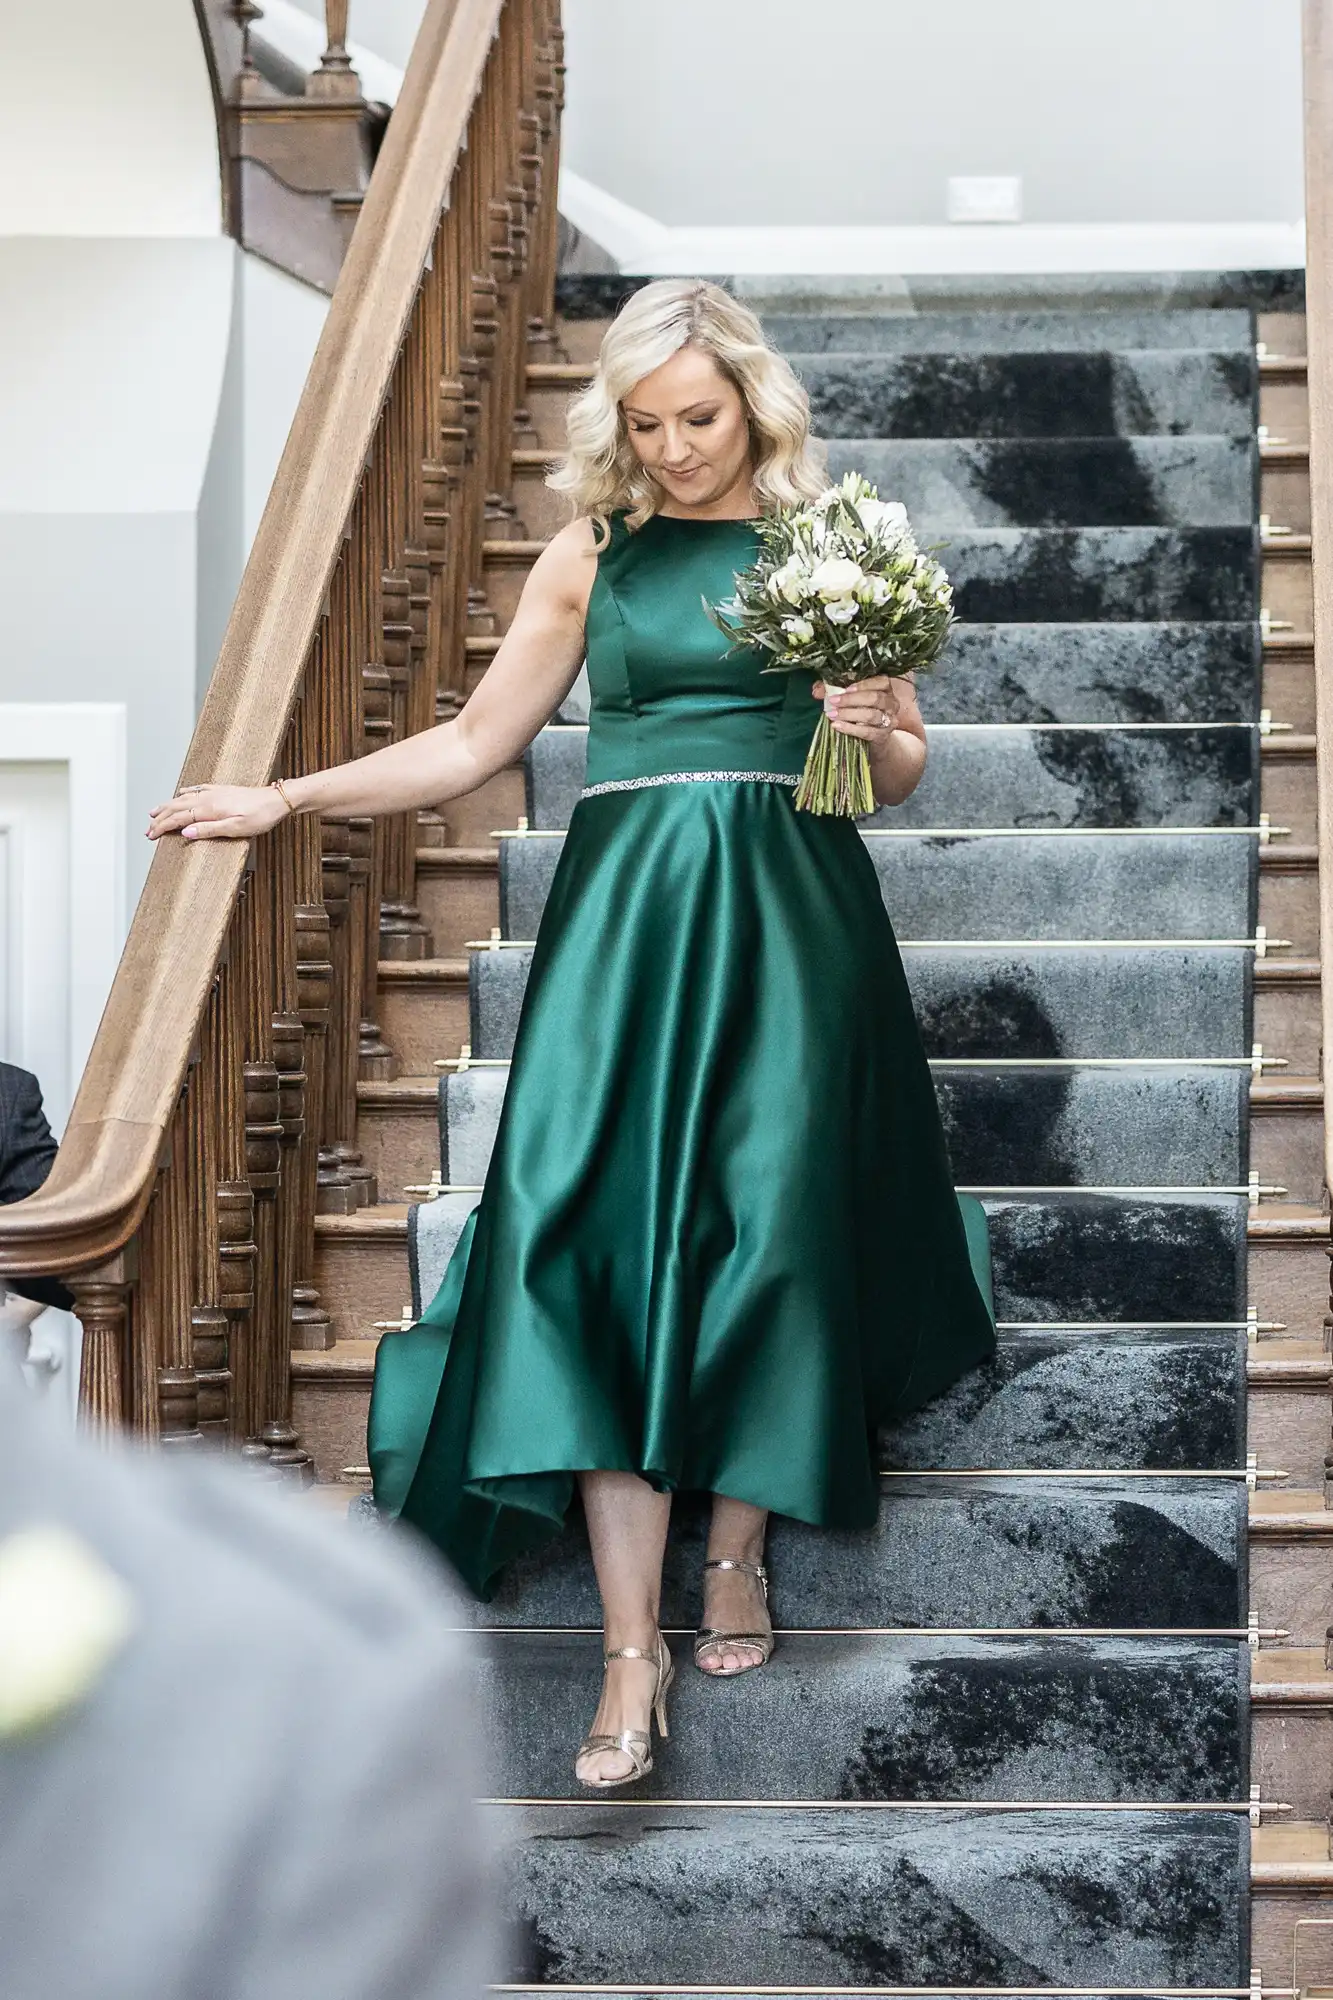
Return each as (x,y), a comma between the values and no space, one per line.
(687,424)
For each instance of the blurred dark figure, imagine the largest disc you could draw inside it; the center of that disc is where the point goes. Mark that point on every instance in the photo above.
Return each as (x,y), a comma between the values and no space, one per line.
(27,1149)
(266,1788)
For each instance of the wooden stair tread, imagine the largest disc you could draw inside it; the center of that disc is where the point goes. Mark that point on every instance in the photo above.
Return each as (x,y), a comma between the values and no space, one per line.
(1290,1854)
(1290,1513)
(511,553)
(1287,1222)
(570,374)
(345,1361)
(1291,1677)
(423,971)
(1288,1364)
(401,1093)
(445,859)
(1284,1092)
(1275,1221)
(381,1222)
(1286,971)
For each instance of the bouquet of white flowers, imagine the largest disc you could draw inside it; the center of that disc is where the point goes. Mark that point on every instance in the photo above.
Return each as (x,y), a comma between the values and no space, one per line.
(840,589)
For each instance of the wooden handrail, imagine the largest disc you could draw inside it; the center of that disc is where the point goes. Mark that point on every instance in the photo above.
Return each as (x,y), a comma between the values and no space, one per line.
(1318,87)
(217,1108)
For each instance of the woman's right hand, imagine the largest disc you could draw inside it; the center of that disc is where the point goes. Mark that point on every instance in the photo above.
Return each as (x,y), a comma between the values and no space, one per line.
(218,812)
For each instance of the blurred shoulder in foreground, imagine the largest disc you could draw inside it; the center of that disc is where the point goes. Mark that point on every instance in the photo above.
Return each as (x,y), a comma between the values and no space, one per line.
(256,1777)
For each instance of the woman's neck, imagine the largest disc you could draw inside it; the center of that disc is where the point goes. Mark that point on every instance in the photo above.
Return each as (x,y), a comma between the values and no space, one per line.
(739,503)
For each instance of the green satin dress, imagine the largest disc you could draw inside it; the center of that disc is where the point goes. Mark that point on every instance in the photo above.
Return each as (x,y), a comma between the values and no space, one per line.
(719,1240)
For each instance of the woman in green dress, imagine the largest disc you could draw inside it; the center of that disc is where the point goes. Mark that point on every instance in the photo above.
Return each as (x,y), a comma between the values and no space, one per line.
(719,1241)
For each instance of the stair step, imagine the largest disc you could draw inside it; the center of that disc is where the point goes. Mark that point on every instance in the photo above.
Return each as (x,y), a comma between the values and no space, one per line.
(884,1716)
(950,480)
(988,1551)
(1067,1000)
(1048,575)
(1005,1001)
(1134,1398)
(1010,330)
(1061,1256)
(1163,884)
(1083,400)
(1062,1126)
(1010,775)
(840,1897)
(1053,672)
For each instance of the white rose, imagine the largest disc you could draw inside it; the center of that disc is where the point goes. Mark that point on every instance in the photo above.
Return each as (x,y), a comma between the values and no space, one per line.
(883,516)
(789,582)
(842,610)
(63,1618)
(799,630)
(836,576)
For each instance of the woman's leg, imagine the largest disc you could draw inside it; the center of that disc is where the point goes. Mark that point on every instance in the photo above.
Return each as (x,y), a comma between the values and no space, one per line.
(627,1526)
(733,1601)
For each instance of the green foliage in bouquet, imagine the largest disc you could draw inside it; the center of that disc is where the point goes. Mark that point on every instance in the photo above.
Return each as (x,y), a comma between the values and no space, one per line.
(840,589)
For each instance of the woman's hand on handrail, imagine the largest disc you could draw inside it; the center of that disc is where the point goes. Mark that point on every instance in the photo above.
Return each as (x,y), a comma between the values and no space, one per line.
(532,672)
(218,812)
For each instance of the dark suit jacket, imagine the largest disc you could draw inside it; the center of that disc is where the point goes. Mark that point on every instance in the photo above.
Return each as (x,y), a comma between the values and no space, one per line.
(27,1149)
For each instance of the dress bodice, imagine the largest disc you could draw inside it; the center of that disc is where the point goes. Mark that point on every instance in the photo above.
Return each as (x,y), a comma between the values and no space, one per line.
(669,692)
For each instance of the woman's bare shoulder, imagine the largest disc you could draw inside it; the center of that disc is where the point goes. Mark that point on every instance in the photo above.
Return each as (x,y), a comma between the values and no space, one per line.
(568,563)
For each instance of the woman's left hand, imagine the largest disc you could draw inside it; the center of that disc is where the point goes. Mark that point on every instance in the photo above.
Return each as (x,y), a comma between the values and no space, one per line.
(868,708)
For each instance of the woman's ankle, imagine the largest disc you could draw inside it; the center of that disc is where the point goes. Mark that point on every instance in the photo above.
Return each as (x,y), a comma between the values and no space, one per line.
(640,1632)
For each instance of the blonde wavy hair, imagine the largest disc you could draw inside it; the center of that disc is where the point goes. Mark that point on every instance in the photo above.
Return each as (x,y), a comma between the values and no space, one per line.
(601,472)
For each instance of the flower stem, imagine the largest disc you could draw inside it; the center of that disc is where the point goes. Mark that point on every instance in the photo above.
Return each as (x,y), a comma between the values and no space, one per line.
(836,778)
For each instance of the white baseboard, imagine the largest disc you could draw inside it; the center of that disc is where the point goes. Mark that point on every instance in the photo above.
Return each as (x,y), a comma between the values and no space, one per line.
(648,248)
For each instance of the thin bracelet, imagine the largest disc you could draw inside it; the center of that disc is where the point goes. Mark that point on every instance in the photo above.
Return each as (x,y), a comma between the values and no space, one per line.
(277,785)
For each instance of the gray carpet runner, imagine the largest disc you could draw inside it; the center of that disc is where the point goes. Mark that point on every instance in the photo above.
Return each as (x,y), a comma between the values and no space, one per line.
(1047,1613)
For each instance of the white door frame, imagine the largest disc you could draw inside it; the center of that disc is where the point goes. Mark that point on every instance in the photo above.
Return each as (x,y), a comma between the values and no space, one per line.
(88,737)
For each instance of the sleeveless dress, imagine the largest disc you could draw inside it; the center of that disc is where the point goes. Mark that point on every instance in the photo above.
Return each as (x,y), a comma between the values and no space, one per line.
(719,1240)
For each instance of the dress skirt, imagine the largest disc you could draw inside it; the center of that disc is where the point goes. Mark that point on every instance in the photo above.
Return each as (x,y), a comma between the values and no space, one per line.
(719,1241)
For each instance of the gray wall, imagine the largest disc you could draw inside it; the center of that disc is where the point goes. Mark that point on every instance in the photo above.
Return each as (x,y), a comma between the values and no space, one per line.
(856,111)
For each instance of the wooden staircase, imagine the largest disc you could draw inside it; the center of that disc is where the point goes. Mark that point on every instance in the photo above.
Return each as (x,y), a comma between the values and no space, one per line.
(231,1200)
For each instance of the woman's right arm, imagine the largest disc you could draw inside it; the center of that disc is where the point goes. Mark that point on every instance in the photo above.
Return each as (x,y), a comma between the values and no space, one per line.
(533,670)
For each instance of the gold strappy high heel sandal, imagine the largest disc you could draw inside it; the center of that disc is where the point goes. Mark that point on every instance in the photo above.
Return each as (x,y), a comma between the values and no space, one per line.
(709,1639)
(637,1744)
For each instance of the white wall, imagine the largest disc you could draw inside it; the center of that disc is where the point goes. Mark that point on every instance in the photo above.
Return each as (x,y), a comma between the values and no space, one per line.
(108,127)
(770,112)
(282,320)
(113,355)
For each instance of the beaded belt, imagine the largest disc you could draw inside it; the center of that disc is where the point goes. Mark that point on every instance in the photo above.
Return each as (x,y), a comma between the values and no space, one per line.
(689,778)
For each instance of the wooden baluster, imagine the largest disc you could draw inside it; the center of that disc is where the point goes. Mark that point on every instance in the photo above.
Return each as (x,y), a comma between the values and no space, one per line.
(304,1322)
(543,341)
(102,1301)
(531,146)
(176,1384)
(210,1332)
(335,76)
(477,308)
(267,1330)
